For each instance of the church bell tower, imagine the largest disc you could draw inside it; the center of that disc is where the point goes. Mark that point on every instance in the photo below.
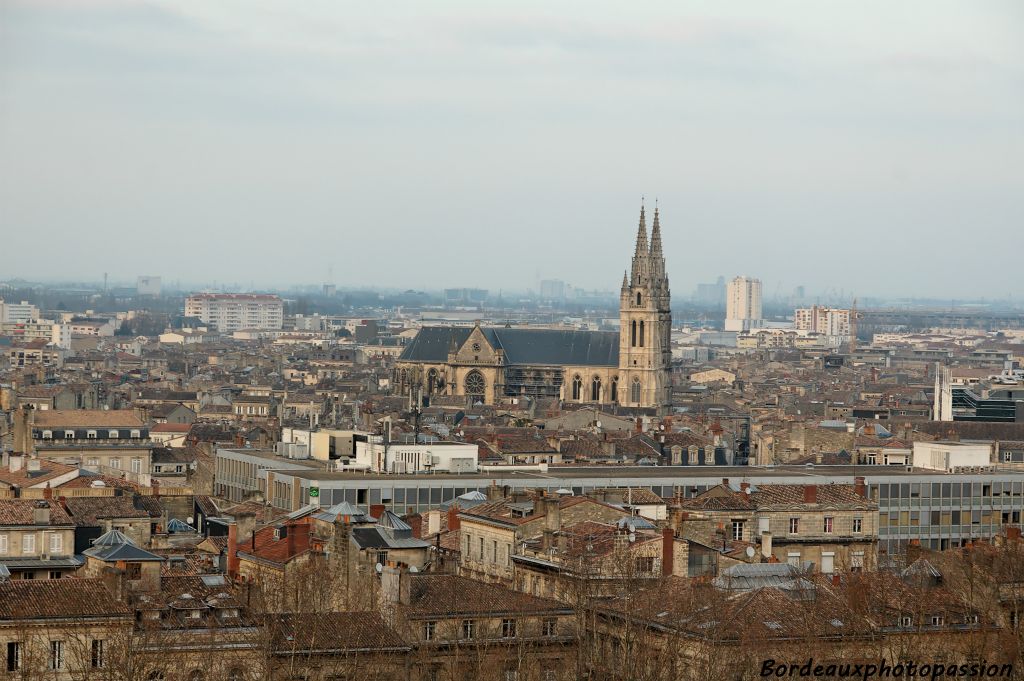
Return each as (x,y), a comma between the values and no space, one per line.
(645,314)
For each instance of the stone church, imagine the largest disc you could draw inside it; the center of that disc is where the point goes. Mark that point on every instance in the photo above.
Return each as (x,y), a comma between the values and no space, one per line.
(629,368)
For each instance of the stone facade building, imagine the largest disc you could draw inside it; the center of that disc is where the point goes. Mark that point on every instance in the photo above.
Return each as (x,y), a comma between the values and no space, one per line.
(631,368)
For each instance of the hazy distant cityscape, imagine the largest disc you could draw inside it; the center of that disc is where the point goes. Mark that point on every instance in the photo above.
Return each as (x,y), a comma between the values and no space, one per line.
(466,341)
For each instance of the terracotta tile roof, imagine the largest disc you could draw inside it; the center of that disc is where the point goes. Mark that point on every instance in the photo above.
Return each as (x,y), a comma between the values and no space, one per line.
(88,511)
(86,418)
(794,494)
(276,550)
(20,512)
(108,480)
(339,631)
(453,596)
(47,471)
(58,598)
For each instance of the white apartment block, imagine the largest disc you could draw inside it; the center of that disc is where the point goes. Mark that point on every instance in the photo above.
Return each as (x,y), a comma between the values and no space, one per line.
(235,311)
(743,304)
(830,321)
(18,312)
(51,332)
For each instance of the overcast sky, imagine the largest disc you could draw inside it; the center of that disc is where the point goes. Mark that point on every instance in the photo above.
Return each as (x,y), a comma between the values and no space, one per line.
(876,147)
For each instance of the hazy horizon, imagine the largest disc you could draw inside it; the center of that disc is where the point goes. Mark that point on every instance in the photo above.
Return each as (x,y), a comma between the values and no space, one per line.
(866,147)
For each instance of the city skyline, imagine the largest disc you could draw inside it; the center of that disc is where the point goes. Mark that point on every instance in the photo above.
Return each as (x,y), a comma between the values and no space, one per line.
(787,143)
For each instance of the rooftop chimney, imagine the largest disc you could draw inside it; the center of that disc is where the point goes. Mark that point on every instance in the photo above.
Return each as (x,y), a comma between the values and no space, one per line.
(41,513)
(453,518)
(32,466)
(859,488)
(744,486)
(766,545)
(725,481)
(668,547)
(810,494)
(17,462)
(232,550)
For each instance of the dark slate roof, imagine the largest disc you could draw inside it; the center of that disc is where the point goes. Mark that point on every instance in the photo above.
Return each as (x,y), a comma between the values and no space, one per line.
(559,347)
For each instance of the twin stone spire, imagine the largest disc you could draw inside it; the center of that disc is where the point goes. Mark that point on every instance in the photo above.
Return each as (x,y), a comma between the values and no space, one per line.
(648,260)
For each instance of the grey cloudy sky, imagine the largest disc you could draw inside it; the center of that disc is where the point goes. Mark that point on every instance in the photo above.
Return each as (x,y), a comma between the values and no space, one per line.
(870,146)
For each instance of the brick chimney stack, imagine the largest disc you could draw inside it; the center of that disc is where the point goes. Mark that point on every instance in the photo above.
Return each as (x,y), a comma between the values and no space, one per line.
(810,494)
(668,546)
(859,488)
(453,518)
(232,566)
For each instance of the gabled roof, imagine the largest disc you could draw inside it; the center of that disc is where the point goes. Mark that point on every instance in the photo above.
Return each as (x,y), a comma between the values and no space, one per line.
(558,347)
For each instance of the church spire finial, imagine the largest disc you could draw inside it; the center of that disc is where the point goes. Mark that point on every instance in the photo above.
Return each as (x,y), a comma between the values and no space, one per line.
(656,234)
(641,233)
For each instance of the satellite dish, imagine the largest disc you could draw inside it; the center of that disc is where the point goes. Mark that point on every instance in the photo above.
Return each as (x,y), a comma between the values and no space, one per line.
(750,552)
(379,568)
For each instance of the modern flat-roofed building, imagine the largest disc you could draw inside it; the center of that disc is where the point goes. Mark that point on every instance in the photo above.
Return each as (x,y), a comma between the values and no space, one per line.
(935,508)
(235,311)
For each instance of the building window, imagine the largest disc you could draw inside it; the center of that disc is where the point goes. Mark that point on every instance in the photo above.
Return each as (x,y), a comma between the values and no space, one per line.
(793,559)
(475,385)
(47,434)
(641,334)
(615,390)
(136,434)
(113,434)
(56,655)
(644,565)
(548,627)
(133,571)
(857,561)
(13,656)
(827,525)
(90,434)
(595,389)
(3,544)
(429,630)
(508,628)
(858,525)
(468,627)
(28,543)
(481,549)
(737,530)
(938,620)
(56,574)
(136,465)
(794,525)
(69,435)
(56,544)
(906,621)
(638,298)
(508,555)
(636,390)
(115,463)
(382,557)
(577,387)
(632,341)
(97,654)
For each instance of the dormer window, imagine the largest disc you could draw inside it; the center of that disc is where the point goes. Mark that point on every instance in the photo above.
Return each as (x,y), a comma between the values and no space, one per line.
(192,614)
(136,434)
(227,613)
(69,435)
(113,434)
(906,621)
(47,434)
(90,434)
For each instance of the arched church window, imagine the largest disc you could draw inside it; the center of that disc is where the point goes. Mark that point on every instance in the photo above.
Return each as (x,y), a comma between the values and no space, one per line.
(638,299)
(403,376)
(577,387)
(615,389)
(632,341)
(595,389)
(432,382)
(475,385)
(641,334)
(635,397)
